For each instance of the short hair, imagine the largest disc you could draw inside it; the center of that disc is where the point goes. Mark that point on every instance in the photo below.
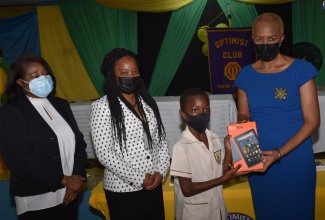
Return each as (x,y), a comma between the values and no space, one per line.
(189,93)
(269,17)
(18,70)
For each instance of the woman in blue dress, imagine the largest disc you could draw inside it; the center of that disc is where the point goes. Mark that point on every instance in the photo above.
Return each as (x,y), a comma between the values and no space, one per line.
(278,93)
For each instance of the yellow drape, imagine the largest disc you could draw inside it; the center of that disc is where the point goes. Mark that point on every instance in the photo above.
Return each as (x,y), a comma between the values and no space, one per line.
(73,82)
(3,79)
(13,11)
(146,5)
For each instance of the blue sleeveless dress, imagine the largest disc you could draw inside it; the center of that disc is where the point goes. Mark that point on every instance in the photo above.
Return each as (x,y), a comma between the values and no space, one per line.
(286,190)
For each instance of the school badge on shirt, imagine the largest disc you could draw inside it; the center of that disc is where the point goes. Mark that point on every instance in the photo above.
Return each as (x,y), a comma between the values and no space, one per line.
(217,155)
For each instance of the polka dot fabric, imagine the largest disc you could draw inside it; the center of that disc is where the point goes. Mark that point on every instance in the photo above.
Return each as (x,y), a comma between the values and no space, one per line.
(125,171)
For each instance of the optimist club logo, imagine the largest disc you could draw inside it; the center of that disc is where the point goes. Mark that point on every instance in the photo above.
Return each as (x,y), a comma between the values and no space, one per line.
(238,216)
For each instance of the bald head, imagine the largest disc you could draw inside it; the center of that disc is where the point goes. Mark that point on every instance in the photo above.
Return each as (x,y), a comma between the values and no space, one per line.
(269,18)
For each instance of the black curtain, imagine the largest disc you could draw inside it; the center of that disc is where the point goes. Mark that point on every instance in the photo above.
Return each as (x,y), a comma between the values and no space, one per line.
(285,12)
(151,32)
(194,69)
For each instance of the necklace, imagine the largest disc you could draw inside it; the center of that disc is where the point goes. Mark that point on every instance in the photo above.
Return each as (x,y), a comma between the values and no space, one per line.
(134,104)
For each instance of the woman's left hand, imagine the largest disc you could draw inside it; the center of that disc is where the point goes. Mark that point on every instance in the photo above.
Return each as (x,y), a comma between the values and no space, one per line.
(268,158)
(157,180)
(69,197)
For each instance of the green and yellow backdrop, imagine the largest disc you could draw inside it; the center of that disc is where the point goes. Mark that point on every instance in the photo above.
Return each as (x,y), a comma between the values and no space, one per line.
(74,35)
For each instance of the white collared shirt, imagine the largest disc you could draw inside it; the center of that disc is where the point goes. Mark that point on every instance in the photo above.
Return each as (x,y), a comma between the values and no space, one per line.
(192,159)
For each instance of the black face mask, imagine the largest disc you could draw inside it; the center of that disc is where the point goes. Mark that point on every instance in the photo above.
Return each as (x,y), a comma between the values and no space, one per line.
(198,122)
(129,85)
(267,52)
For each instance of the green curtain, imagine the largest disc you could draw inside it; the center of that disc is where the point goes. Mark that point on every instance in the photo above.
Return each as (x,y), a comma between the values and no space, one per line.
(95,30)
(181,28)
(242,14)
(308,25)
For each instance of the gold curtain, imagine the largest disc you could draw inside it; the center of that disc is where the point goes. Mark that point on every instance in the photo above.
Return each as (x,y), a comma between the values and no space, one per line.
(73,82)
(156,6)
(265,1)
(3,79)
(12,11)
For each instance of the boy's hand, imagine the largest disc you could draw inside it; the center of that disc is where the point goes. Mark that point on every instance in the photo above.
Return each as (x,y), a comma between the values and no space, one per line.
(233,172)
(227,143)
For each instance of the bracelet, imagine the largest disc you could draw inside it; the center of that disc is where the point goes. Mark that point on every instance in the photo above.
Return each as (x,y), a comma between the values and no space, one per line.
(280,156)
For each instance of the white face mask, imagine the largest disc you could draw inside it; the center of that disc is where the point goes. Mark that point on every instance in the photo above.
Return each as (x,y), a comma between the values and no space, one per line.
(41,86)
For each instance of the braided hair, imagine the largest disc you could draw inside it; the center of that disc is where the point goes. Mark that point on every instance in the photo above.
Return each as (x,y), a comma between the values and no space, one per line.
(114,93)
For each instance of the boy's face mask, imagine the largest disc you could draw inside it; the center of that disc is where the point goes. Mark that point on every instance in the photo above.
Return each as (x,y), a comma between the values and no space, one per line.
(198,122)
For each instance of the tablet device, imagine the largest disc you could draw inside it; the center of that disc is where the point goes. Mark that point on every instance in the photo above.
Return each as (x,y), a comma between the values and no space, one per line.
(235,154)
(249,147)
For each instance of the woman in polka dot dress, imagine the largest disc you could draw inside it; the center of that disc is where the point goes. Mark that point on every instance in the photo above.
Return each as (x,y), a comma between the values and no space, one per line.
(130,141)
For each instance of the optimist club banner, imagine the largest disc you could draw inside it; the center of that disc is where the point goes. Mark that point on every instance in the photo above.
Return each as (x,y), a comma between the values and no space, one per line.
(230,49)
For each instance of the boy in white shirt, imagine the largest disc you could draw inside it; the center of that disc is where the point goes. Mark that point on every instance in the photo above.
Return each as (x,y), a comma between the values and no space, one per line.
(200,163)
